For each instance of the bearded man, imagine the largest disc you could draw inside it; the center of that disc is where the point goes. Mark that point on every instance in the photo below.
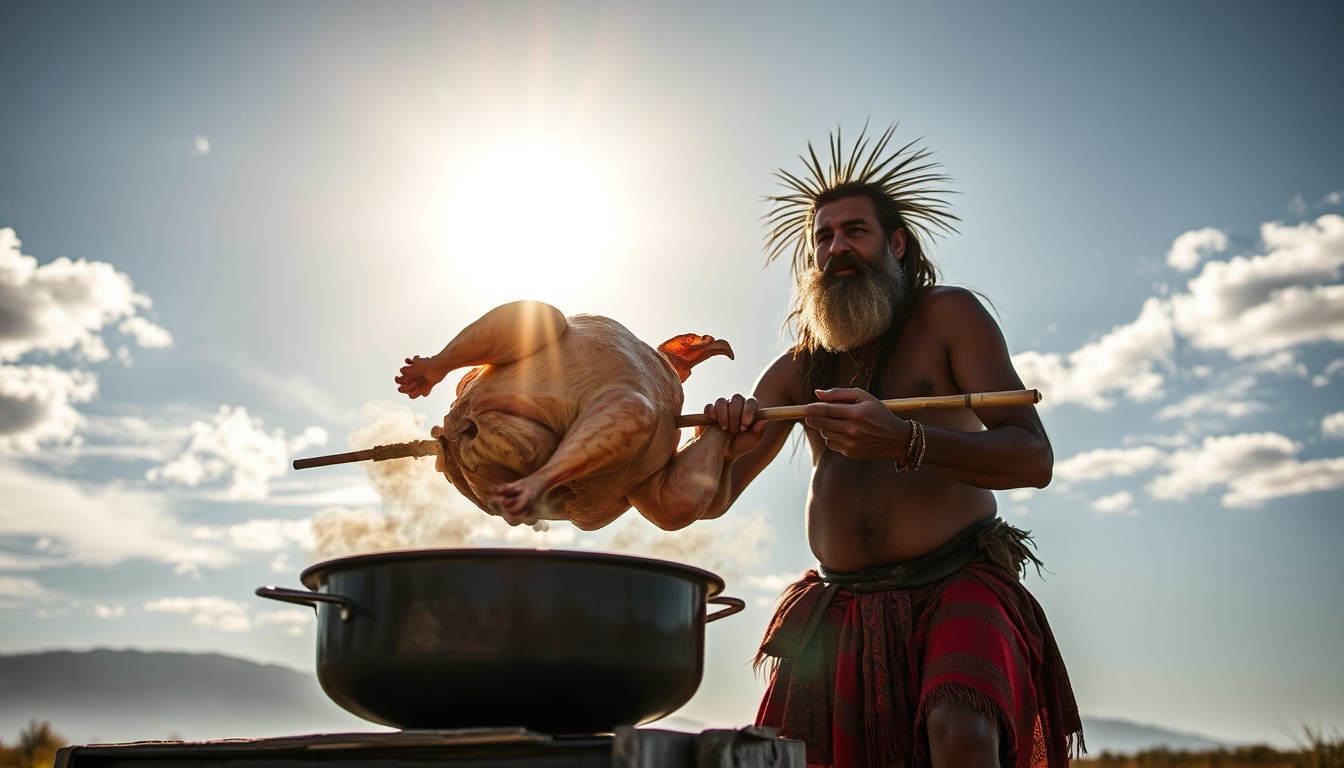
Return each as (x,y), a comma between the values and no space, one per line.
(913,642)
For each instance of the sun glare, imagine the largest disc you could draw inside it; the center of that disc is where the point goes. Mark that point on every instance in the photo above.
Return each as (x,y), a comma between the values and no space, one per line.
(533,217)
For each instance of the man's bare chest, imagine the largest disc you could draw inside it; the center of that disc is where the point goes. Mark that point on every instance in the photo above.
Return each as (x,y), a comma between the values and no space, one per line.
(913,368)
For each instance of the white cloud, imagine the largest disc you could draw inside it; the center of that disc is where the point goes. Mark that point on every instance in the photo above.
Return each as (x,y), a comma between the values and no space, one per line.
(1323,378)
(233,445)
(37,405)
(1116,503)
(271,535)
(1288,317)
(1108,462)
(1253,467)
(200,145)
(291,622)
(1299,205)
(21,590)
(74,525)
(1282,363)
(1262,304)
(1126,359)
(282,563)
(1190,248)
(1257,306)
(1219,460)
(109,611)
(64,305)
(145,333)
(1230,401)
(285,616)
(773,582)
(292,388)
(1290,478)
(211,612)
(1333,425)
(155,437)
(357,494)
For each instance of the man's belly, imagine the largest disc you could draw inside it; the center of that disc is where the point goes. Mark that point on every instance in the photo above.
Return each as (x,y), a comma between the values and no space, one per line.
(862,514)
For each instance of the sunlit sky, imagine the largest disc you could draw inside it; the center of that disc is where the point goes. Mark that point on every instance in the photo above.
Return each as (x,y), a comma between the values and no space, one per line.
(223,225)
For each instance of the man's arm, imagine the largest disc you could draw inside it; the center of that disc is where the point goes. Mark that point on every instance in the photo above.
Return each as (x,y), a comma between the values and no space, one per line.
(1011,452)
(754,443)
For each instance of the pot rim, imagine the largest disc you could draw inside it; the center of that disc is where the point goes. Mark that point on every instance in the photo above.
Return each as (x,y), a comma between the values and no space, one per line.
(313,575)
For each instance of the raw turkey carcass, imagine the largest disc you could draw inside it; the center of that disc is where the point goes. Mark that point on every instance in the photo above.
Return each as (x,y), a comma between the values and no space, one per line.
(570,418)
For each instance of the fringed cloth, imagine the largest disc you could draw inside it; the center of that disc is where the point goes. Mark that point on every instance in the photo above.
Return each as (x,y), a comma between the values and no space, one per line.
(857,661)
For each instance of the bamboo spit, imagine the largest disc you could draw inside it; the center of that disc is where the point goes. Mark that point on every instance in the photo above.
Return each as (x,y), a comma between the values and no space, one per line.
(778,413)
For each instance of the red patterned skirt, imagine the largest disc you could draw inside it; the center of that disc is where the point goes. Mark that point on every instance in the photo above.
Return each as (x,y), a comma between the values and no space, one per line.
(857,681)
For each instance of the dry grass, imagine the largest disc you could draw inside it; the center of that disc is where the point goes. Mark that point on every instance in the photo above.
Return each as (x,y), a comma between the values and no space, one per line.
(1315,749)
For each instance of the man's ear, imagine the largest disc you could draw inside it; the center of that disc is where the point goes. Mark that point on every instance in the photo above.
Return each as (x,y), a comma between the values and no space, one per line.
(897,243)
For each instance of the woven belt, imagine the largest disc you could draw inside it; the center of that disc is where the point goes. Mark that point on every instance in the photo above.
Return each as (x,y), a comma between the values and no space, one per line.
(944,561)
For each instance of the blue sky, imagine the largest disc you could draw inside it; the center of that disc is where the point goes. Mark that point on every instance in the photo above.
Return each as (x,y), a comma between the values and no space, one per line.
(222,226)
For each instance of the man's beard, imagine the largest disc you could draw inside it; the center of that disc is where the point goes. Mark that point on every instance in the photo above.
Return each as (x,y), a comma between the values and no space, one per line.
(844,313)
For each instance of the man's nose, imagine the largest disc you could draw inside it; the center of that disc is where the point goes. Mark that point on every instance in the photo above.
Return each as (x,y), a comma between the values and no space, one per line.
(835,247)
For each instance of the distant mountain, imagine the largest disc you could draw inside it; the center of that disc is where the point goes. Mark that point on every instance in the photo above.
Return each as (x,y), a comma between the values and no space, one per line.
(106,696)
(1121,737)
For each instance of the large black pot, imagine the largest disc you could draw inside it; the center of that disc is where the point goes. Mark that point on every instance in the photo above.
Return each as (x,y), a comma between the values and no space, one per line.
(553,641)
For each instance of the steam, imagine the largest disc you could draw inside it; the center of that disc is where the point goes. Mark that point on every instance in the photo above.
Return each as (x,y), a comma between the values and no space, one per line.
(420,509)
(727,546)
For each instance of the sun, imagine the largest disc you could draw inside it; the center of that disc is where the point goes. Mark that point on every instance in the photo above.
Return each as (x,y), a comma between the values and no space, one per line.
(534,215)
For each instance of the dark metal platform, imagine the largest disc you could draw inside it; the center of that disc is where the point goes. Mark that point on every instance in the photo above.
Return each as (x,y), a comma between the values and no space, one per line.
(468,748)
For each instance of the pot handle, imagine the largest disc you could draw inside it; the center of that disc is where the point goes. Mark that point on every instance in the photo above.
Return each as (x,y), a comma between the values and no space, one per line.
(731,605)
(309,598)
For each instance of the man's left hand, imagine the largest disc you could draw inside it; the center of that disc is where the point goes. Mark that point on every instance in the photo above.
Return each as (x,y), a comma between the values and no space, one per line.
(856,424)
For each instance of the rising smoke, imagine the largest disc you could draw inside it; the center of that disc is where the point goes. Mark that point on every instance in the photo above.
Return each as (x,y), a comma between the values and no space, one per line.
(421,510)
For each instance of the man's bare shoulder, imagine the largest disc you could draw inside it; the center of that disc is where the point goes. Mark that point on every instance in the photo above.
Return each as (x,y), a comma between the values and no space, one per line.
(787,361)
(948,298)
(949,303)
(780,383)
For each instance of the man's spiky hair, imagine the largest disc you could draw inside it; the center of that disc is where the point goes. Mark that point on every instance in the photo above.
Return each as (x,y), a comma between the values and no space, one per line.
(906,176)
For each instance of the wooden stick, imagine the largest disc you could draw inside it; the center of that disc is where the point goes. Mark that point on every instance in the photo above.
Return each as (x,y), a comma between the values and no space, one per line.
(376,453)
(778,413)
(970,400)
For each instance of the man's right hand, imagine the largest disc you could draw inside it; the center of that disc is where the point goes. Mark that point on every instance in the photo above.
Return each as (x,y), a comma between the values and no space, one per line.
(737,417)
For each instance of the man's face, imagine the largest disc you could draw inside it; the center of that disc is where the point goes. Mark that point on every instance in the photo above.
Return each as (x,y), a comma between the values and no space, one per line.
(848,229)
(849,297)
